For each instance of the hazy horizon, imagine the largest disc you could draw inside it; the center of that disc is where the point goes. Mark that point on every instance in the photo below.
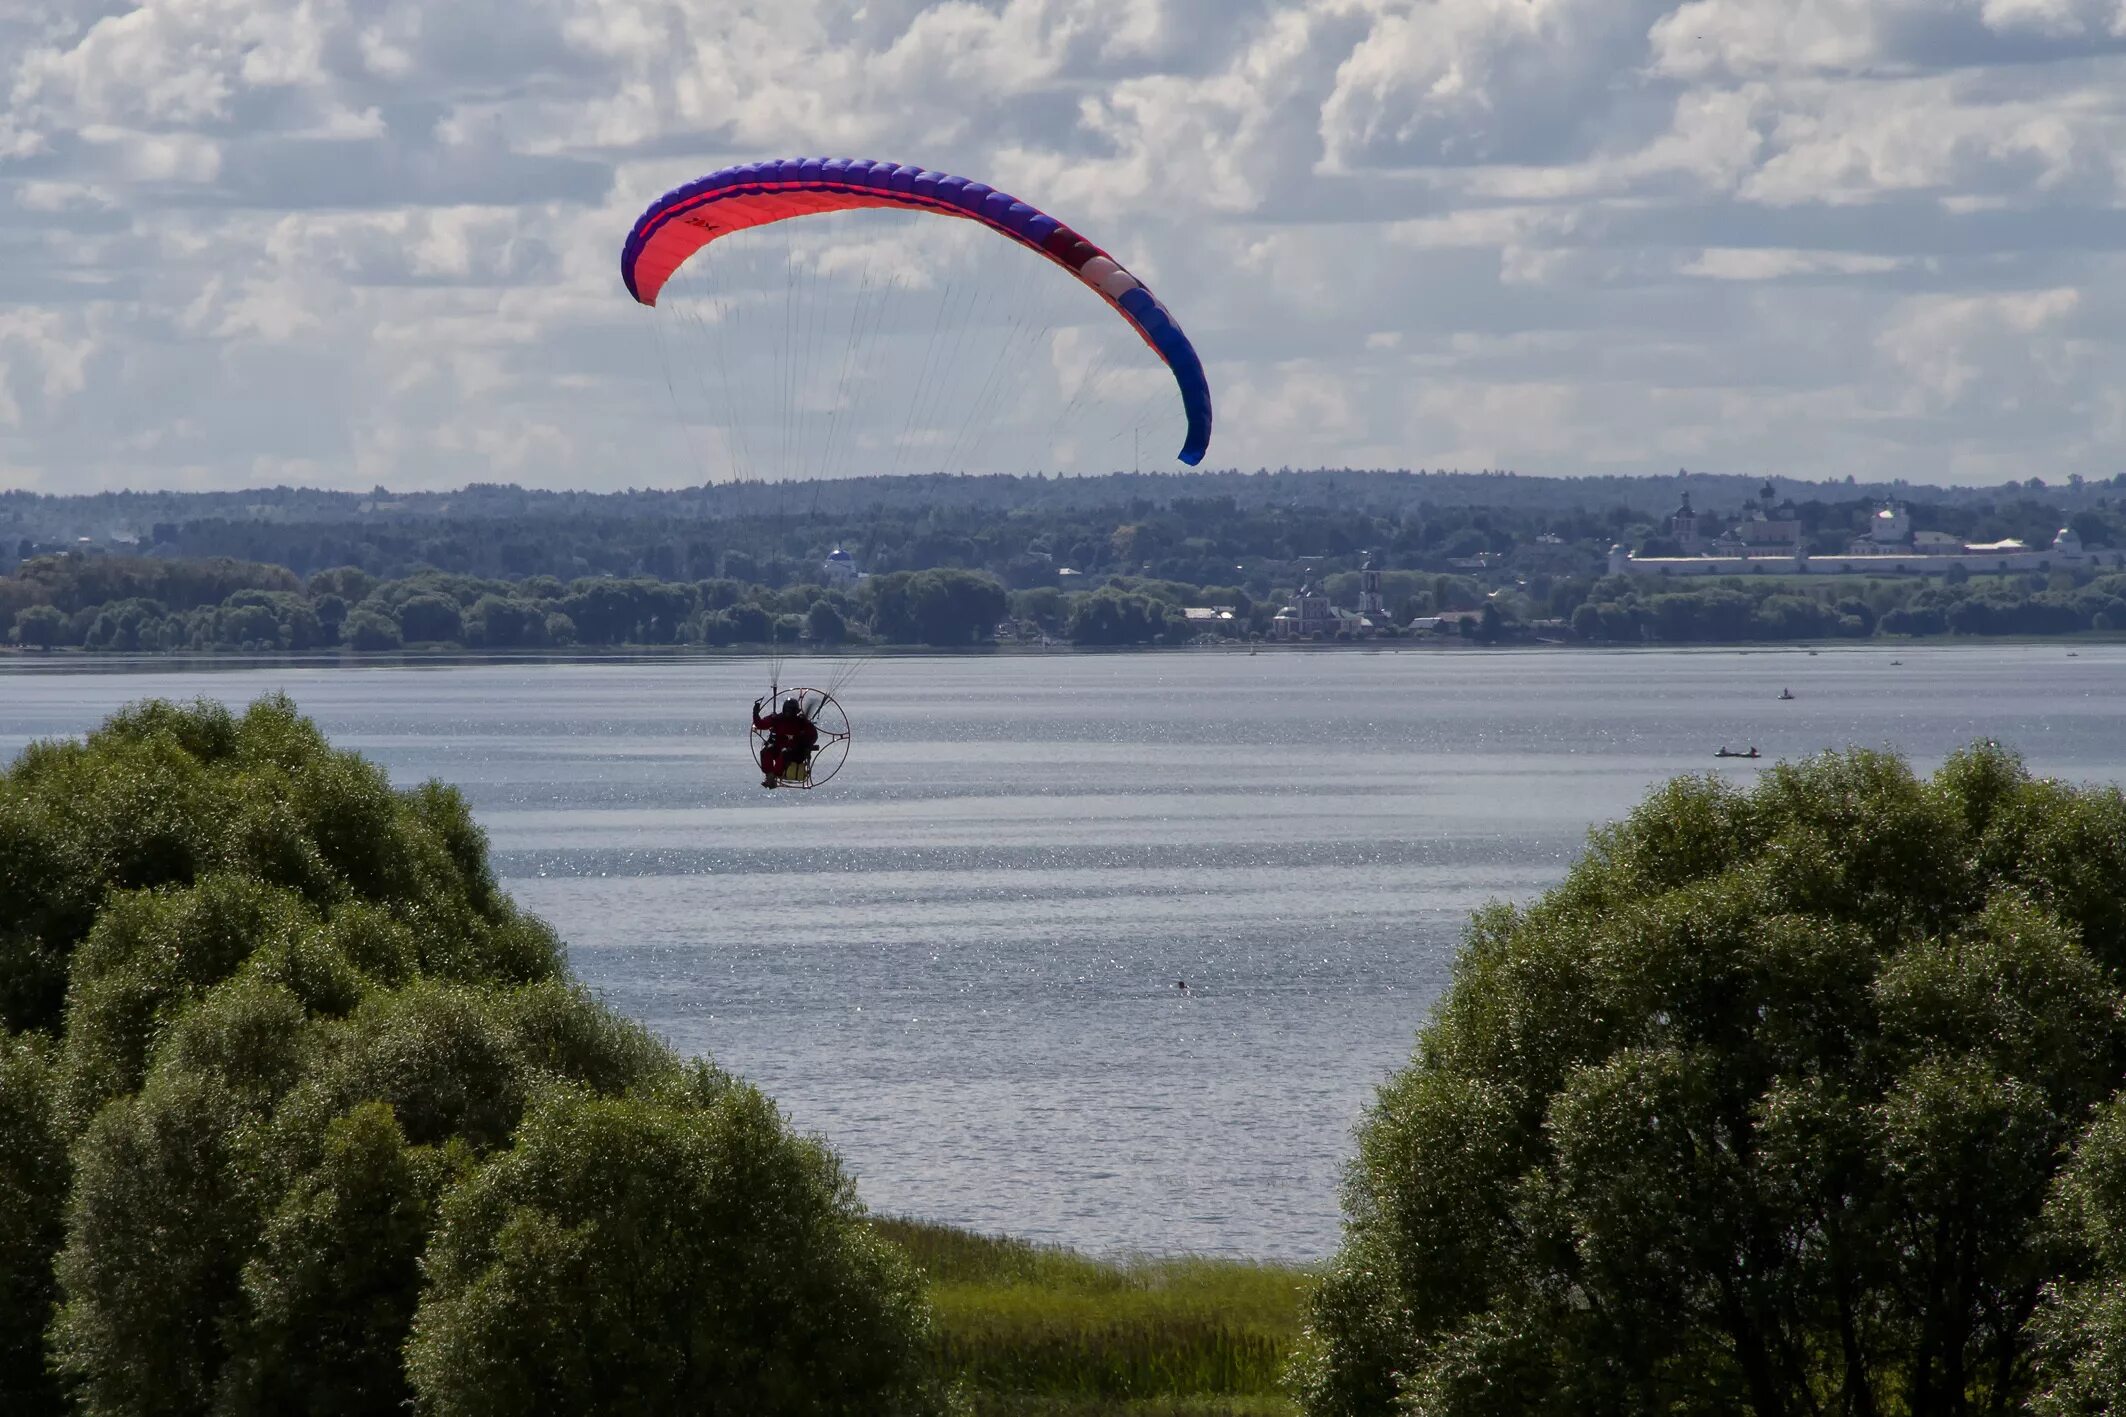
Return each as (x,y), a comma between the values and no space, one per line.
(1686,480)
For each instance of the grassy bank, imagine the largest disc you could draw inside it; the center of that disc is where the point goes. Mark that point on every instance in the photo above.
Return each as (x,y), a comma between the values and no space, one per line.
(1036,1331)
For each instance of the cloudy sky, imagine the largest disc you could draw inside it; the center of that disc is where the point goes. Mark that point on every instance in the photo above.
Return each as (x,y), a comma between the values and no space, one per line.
(349,242)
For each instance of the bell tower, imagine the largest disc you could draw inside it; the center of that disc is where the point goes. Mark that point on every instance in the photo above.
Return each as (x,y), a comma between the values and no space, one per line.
(1683,526)
(1370,603)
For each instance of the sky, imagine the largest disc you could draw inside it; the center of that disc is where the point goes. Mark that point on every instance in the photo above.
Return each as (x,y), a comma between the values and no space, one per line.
(348,243)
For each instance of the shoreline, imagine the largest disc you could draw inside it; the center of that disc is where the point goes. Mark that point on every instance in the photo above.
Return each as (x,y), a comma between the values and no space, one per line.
(15,659)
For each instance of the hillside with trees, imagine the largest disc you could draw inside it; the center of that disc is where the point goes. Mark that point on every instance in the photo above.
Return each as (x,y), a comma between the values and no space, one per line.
(1196,528)
(144,605)
(953,562)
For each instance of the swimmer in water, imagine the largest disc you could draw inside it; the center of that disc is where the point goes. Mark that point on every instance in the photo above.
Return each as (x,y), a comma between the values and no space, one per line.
(1182,985)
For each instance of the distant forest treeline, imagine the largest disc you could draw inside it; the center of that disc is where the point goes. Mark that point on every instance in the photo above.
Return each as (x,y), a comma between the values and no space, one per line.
(949,560)
(1348,489)
(1260,531)
(148,605)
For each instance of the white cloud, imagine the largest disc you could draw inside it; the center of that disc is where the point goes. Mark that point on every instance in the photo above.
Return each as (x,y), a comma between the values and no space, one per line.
(1708,38)
(146,157)
(1994,348)
(36,196)
(44,358)
(1481,80)
(1775,263)
(376,241)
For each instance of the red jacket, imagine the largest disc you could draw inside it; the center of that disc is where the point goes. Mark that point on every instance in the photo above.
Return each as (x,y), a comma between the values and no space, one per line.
(792,730)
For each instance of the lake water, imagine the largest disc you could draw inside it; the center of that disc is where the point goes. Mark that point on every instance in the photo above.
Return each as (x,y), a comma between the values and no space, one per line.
(958,961)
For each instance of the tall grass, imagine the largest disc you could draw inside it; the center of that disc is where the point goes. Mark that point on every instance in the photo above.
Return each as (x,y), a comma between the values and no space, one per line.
(978,1403)
(1033,1330)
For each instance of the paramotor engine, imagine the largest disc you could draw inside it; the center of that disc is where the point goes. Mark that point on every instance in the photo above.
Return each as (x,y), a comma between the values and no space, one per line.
(829,752)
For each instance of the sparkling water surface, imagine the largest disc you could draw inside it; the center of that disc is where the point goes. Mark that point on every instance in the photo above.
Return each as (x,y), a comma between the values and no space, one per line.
(958,961)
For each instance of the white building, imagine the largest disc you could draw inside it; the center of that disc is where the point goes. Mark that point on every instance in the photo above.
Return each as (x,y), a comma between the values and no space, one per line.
(1768,526)
(1889,530)
(839,569)
(1310,616)
(1370,604)
(1868,556)
(1683,526)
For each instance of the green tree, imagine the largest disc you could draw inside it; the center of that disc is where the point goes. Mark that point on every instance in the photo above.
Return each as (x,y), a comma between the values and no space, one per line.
(501,622)
(165,1205)
(247,627)
(748,625)
(627,612)
(1757,1112)
(281,1015)
(941,608)
(39,625)
(717,1262)
(127,625)
(150,954)
(824,624)
(33,1183)
(2081,1327)
(367,628)
(277,617)
(331,612)
(430,619)
(351,584)
(332,1288)
(1113,617)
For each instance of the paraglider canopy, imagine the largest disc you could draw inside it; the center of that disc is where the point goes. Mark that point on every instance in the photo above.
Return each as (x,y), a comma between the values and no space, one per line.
(684,220)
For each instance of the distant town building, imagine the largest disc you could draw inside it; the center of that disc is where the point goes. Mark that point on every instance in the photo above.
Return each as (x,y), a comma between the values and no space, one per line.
(1024,632)
(839,569)
(1683,527)
(1370,604)
(1310,616)
(1890,529)
(1447,622)
(1549,554)
(1766,541)
(1766,528)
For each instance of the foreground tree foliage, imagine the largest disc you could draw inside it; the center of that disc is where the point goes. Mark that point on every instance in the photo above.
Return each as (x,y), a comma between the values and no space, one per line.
(287,1081)
(1794,1100)
(665,1223)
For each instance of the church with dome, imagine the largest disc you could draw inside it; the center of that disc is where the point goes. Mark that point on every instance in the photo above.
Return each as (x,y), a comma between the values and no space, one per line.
(839,570)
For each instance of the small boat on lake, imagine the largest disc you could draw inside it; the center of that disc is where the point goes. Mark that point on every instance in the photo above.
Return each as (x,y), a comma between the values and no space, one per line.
(1786,693)
(1726,752)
